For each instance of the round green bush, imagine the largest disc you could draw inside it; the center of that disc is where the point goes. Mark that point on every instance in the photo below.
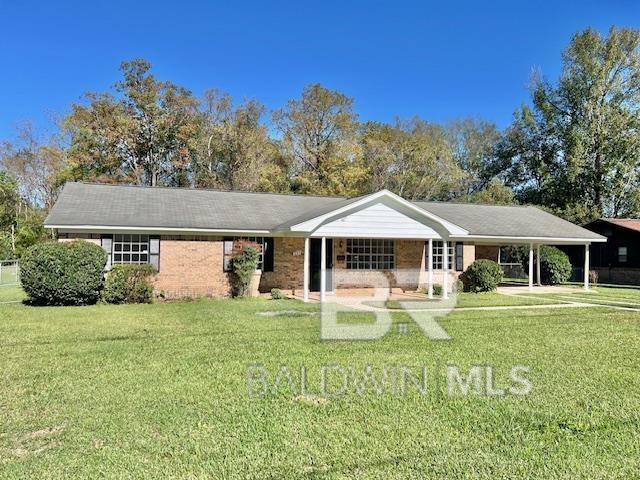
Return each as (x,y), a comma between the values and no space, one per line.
(555,266)
(63,273)
(129,284)
(483,275)
(277,294)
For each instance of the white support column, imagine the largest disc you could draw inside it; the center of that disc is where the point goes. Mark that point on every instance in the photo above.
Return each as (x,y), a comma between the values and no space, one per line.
(323,269)
(538,265)
(445,269)
(586,266)
(430,268)
(305,294)
(531,266)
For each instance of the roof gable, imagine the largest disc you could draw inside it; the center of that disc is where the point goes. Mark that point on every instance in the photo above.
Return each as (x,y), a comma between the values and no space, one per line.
(389,206)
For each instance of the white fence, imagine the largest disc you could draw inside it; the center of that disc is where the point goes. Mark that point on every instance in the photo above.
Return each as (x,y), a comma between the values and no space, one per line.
(9,272)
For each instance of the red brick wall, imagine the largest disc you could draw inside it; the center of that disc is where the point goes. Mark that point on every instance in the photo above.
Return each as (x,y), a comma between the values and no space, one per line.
(192,266)
(489,252)
(288,265)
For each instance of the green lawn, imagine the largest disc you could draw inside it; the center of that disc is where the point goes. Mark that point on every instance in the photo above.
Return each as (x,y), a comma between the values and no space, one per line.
(160,391)
(466,300)
(614,296)
(11,293)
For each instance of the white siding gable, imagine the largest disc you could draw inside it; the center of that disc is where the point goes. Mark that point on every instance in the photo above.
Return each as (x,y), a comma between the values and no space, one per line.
(376,221)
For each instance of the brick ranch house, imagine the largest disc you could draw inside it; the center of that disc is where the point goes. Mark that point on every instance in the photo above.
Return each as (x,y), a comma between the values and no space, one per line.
(309,243)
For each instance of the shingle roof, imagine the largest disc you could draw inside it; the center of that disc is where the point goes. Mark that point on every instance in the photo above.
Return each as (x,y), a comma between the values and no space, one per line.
(88,205)
(129,206)
(507,220)
(629,223)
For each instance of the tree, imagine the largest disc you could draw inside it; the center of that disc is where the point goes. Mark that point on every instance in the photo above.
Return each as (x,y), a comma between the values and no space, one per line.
(316,129)
(473,142)
(9,201)
(34,164)
(577,149)
(413,158)
(235,151)
(146,134)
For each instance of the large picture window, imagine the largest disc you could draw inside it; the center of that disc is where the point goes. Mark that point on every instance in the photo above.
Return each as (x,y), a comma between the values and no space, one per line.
(370,254)
(130,249)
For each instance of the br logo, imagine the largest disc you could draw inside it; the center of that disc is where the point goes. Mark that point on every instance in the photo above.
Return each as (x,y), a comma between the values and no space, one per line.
(423,312)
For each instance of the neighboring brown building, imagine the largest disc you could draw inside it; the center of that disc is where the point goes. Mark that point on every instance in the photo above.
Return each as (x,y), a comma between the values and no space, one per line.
(618,260)
(190,236)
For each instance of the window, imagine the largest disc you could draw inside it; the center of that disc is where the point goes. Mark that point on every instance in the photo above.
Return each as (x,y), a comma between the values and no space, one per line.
(438,248)
(265,249)
(622,254)
(370,254)
(130,249)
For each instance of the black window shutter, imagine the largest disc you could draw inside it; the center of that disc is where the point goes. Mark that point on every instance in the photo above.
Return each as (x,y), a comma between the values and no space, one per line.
(459,257)
(154,251)
(268,255)
(106,242)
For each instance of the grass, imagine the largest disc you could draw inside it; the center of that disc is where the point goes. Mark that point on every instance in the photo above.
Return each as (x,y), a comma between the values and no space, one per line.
(599,295)
(160,391)
(466,300)
(11,293)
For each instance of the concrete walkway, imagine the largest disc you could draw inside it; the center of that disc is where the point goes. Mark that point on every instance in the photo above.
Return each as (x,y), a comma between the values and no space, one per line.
(542,289)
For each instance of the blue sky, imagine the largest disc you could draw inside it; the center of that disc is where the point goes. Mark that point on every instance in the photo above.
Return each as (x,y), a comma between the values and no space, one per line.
(439,60)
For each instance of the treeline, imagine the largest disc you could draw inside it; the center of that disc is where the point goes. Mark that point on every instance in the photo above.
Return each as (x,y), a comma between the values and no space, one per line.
(574,148)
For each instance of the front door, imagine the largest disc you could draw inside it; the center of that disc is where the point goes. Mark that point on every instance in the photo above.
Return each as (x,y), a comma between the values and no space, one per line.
(314,264)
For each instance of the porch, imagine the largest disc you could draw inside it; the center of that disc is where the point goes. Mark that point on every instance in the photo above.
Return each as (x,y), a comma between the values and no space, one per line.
(418,267)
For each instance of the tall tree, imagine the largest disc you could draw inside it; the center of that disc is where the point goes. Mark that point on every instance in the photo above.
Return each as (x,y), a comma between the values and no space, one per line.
(235,151)
(146,134)
(317,134)
(413,158)
(578,149)
(473,143)
(34,164)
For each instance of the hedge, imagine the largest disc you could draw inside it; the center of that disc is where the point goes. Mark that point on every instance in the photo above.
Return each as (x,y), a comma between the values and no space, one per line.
(63,273)
(555,266)
(483,275)
(129,284)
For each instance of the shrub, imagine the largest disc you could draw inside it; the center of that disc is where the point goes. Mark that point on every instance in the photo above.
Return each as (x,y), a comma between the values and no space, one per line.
(129,284)
(244,265)
(276,294)
(63,273)
(458,286)
(437,289)
(555,266)
(483,275)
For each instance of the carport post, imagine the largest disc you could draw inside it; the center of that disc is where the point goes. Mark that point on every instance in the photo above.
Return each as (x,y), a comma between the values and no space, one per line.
(530,266)
(305,291)
(323,268)
(430,268)
(586,266)
(445,269)
(538,265)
